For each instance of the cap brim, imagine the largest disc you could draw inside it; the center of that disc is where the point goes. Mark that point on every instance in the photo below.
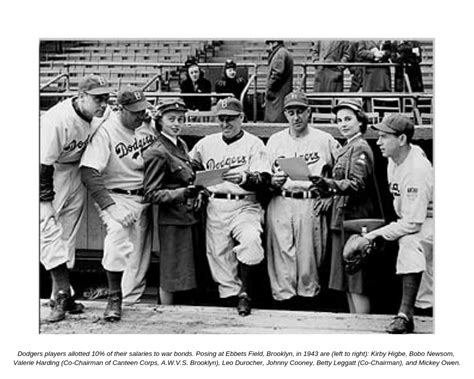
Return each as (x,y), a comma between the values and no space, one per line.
(295,104)
(137,107)
(100,91)
(336,108)
(226,112)
(383,128)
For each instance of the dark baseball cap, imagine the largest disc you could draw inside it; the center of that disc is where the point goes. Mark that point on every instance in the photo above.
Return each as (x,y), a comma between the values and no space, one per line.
(296,99)
(395,124)
(170,105)
(133,99)
(351,103)
(94,85)
(229,106)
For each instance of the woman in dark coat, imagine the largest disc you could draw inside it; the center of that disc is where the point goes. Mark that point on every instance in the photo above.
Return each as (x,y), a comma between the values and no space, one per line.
(230,82)
(196,83)
(354,196)
(169,173)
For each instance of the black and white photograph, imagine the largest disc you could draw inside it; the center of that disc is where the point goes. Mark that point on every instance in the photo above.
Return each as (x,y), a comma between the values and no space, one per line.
(236,189)
(236,186)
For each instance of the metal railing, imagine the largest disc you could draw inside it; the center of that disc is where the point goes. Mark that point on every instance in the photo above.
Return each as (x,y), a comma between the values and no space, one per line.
(252,82)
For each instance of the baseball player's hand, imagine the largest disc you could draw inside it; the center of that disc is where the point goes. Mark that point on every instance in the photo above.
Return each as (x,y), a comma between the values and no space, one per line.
(234,177)
(356,251)
(322,205)
(278,179)
(47,212)
(121,215)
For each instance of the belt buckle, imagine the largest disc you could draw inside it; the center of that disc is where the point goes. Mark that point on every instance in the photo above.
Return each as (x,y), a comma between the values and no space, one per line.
(229,196)
(306,194)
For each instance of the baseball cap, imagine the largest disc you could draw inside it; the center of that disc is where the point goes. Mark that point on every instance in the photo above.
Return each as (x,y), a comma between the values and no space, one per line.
(133,99)
(94,85)
(170,105)
(351,103)
(229,63)
(296,99)
(395,124)
(229,106)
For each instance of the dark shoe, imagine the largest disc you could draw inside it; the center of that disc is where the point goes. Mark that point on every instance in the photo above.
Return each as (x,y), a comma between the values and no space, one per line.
(113,311)
(58,311)
(71,306)
(401,324)
(243,306)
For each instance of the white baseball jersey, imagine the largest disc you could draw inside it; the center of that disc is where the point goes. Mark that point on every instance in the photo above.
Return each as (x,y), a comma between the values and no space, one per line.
(116,152)
(318,148)
(246,154)
(411,185)
(64,135)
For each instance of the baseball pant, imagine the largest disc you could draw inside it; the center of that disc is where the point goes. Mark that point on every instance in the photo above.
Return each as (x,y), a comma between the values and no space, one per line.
(415,254)
(128,248)
(58,239)
(294,240)
(233,235)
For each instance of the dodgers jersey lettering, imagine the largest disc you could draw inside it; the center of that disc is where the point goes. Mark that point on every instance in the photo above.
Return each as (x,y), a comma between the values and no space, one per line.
(116,152)
(317,148)
(411,184)
(64,135)
(246,154)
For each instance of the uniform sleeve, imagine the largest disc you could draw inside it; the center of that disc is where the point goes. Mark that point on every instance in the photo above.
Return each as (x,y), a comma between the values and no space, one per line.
(97,152)
(46,183)
(258,177)
(360,169)
(156,168)
(52,138)
(93,181)
(415,197)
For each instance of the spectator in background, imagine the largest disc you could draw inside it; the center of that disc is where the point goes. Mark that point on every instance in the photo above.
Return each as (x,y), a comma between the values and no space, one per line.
(356,72)
(230,82)
(330,78)
(196,83)
(409,54)
(279,80)
(375,79)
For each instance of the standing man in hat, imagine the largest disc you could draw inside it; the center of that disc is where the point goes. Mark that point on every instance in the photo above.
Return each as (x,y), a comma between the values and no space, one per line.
(234,216)
(65,131)
(279,80)
(296,217)
(410,177)
(330,78)
(112,170)
(230,82)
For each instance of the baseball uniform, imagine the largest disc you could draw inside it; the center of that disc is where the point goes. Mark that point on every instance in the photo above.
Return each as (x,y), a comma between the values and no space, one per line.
(295,233)
(63,137)
(116,153)
(411,184)
(234,224)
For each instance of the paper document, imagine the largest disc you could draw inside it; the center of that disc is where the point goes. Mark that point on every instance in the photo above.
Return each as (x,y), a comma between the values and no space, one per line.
(209,178)
(295,168)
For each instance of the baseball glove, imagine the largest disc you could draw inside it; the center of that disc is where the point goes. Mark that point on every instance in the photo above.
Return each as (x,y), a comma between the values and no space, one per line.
(356,251)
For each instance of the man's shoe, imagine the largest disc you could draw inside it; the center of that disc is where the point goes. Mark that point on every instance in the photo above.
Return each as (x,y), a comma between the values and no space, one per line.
(243,306)
(401,324)
(71,306)
(113,311)
(58,311)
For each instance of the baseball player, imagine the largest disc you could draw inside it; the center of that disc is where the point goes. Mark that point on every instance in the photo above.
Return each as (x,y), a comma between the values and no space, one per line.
(410,177)
(112,170)
(234,216)
(65,131)
(296,229)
